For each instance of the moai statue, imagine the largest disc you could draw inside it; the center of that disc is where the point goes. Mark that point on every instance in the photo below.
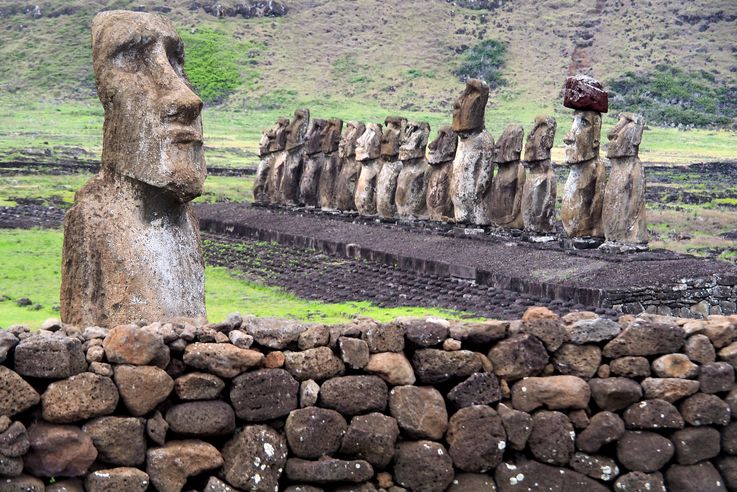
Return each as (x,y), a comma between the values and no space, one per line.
(584,191)
(412,181)
(386,186)
(539,192)
(440,155)
(345,187)
(368,151)
(132,247)
(472,168)
(505,208)
(623,214)
(278,147)
(313,164)
(272,141)
(295,157)
(330,164)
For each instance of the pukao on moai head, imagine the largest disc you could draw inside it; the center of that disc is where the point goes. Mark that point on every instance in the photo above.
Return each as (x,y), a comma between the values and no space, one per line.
(506,188)
(296,133)
(539,191)
(330,163)
(386,184)
(312,163)
(272,141)
(368,151)
(623,213)
(584,190)
(411,195)
(440,155)
(345,187)
(472,168)
(132,248)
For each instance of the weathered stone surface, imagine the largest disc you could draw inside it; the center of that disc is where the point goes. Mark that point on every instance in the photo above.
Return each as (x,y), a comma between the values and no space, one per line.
(142,388)
(383,337)
(554,392)
(354,352)
(310,178)
(424,332)
(129,344)
(420,411)
(702,477)
(198,386)
(201,418)
(604,427)
(263,395)
(524,476)
(440,155)
(372,438)
(319,364)
(58,450)
(675,366)
(156,428)
(652,414)
(314,432)
(392,367)
(254,458)
(716,377)
(435,366)
(695,444)
(592,331)
(23,483)
(472,482)
(546,326)
(117,480)
(669,389)
(274,333)
(119,440)
(79,397)
(630,367)
(646,338)
(640,482)
(585,93)
(330,164)
(727,466)
(702,409)
(411,198)
(577,360)
(214,484)
(328,470)
(295,156)
(309,391)
(222,359)
(552,438)
(479,333)
(49,356)
(506,187)
(539,192)
(10,467)
(353,395)
(16,395)
(423,465)
(477,439)
(7,342)
(478,389)
(314,336)
(386,185)
(518,356)
(644,451)
(615,394)
(699,349)
(367,153)
(471,177)
(598,467)
(345,186)
(169,467)
(517,425)
(14,440)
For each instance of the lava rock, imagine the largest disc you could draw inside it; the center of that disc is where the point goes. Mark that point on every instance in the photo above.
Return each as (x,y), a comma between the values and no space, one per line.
(214,484)
(318,364)
(519,356)
(353,395)
(434,366)
(552,438)
(524,476)
(585,93)
(702,477)
(328,470)
(577,360)
(420,411)
(472,482)
(675,366)
(384,338)
(716,377)
(79,397)
(7,342)
(644,451)
(23,483)
(314,336)
(592,331)
(614,394)
(254,458)
(477,439)
(156,428)
(201,418)
(49,356)
(517,426)
(598,467)
(669,389)
(652,414)
(198,386)
(222,359)
(118,440)
(309,392)
(630,367)
(699,349)
(546,326)
(274,333)
(169,467)
(701,409)
(130,344)
(604,427)
(14,441)
(646,338)
(392,367)
(16,395)
(555,392)
(424,332)
(372,438)
(59,450)
(423,465)
(354,352)
(117,480)
(640,482)
(264,394)
(694,444)
(314,432)
(479,333)
(727,466)
(481,388)
(142,388)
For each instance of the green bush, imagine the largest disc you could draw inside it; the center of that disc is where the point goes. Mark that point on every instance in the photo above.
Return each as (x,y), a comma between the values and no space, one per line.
(484,61)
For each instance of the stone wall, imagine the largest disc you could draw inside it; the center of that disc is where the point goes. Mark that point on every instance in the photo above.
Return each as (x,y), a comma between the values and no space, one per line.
(542,403)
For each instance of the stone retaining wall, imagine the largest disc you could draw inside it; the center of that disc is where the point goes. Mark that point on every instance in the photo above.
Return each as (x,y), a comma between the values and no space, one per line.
(578,403)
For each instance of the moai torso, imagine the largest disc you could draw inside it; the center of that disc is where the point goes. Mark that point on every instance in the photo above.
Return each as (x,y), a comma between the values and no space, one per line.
(308,185)
(505,208)
(132,248)
(295,157)
(330,164)
(272,142)
(623,213)
(411,197)
(367,154)
(539,192)
(345,188)
(386,185)
(441,152)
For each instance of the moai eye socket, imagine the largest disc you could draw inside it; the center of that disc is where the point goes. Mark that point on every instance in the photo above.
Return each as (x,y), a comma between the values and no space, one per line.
(131,55)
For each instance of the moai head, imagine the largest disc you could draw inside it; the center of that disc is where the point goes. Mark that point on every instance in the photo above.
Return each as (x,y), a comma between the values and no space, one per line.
(626,135)
(267,136)
(392,134)
(153,129)
(582,142)
(331,135)
(443,148)
(414,140)
(297,130)
(540,139)
(509,146)
(347,146)
(368,145)
(280,135)
(469,108)
(313,139)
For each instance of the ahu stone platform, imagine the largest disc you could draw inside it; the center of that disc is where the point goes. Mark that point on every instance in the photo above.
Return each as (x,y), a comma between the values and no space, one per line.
(656,281)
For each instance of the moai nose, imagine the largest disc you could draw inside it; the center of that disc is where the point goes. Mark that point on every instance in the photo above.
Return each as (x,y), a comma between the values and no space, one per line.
(181,105)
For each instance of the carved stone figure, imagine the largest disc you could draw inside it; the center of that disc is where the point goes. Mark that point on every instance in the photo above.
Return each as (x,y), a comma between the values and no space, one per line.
(132,248)
(295,157)
(472,168)
(272,141)
(623,214)
(345,188)
(411,194)
(331,163)
(391,166)
(440,155)
(539,192)
(313,161)
(505,208)
(368,148)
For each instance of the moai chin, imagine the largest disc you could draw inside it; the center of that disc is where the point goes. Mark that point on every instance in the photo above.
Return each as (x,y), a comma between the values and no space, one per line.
(584,190)
(440,155)
(472,168)
(345,187)
(132,248)
(294,162)
(623,213)
(505,207)
(539,191)
(411,197)
(368,151)
(272,141)
(313,162)
(391,166)
(331,163)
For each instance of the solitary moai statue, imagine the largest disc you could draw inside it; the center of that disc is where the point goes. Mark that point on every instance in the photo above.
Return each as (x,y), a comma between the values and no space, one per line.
(345,188)
(295,157)
(132,247)
(368,148)
(623,214)
(505,208)
(472,167)
(331,164)
(312,164)
(584,191)
(411,194)
(539,192)
(391,166)
(440,155)
(272,142)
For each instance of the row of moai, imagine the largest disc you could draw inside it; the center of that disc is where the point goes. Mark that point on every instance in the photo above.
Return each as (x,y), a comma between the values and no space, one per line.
(391,172)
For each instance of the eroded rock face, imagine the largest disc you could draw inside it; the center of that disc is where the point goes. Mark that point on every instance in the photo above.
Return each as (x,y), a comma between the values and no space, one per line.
(345,187)
(539,192)
(310,180)
(131,243)
(411,183)
(330,163)
(367,154)
(272,141)
(505,208)
(386,186)
(623,212)
(440,155)
(295,157)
